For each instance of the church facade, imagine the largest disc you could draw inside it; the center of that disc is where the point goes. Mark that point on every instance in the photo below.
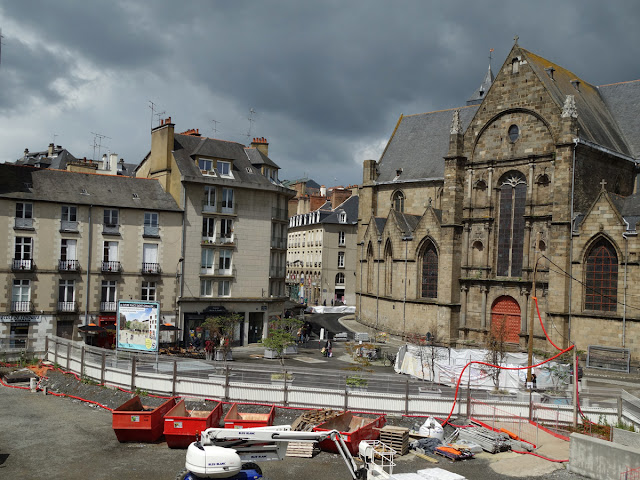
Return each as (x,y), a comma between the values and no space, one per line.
(528,191)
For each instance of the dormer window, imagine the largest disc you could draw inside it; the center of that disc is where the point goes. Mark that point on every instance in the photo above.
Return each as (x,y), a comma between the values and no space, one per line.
(342,217)
(206,166)
(224,169)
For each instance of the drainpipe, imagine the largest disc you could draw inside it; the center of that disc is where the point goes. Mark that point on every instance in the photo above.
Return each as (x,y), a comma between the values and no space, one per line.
(88,282)
(624,301)
(179,320)
(360,296)
(378,283)
(571,217)
(405,239)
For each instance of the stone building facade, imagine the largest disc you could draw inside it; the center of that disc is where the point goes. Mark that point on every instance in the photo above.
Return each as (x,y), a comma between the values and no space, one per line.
(75,244)
(234,237)
(527,191)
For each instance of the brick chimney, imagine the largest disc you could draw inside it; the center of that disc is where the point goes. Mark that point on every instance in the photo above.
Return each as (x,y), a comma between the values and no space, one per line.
(261,144)
(50,151)
(338,196)
(162,145)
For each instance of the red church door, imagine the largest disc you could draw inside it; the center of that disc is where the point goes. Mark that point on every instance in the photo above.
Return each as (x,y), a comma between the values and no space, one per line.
(505,316)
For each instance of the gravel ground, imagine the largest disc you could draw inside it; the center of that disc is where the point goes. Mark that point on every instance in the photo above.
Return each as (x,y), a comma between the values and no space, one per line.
(52,438)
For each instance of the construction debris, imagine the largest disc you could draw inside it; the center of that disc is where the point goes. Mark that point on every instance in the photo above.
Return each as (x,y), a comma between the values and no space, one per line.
(396,437)
(313,418)
(490,441)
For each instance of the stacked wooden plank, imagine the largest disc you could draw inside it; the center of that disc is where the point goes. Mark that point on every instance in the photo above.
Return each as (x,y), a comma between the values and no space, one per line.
(312,418)
(305,423)
(396,438)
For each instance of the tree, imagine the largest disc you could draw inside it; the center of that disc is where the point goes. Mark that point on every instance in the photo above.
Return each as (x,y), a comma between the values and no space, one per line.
(429,350)
(497,348)
(282,334)
(220,330)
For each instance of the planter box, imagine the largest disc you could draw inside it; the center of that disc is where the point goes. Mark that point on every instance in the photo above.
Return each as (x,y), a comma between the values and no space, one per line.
(220,357)
(290,350)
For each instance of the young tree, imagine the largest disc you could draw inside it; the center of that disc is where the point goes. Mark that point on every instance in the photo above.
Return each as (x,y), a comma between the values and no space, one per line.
(220,331)
(497,348)
(282,334)
(429,350)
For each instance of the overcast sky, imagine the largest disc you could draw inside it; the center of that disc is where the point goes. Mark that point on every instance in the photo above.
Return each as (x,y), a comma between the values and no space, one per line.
(327,80)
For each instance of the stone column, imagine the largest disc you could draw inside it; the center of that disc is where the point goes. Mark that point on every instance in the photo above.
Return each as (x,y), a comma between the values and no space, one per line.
(464,290)
(469,186)
(465,245)
(485,292)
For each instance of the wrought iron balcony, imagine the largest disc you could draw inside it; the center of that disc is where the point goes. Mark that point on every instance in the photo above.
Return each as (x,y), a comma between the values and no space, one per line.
(151,231)
(24,223)
(68,265)
(67,307)
(68,226)
(209,207)
(108,306)
(22,265)
(110,229)
(111,267)
(22,307)
(151,268)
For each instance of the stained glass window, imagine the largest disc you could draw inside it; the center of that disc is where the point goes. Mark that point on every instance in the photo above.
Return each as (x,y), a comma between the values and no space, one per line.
(601,291)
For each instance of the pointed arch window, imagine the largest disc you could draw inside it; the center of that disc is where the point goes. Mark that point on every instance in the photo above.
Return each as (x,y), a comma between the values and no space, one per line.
(388,270)
(429,271)
(601,291)
(369,268)
(513,195)
(398,202)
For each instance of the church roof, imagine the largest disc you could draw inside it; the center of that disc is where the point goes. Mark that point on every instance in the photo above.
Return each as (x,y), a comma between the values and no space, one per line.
(623,101)
(482,90)
(596,123)
(419,144)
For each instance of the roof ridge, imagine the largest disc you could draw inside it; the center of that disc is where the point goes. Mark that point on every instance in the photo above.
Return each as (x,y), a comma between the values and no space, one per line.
(617,83)
(202,137)
(443,110)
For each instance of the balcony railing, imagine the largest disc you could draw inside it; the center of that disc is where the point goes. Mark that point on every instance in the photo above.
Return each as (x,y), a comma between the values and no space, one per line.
(68,226)
(110,229)
(227,272)
(22,265)
(108,306)
(151,231)
(208,207)
(24,223)
(21,307)
(151,268)
(226,239)
(67,307)
(111,267)
(68,265)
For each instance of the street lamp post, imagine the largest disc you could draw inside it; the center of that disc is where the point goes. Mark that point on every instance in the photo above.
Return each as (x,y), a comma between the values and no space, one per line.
(378,285)
(406,239)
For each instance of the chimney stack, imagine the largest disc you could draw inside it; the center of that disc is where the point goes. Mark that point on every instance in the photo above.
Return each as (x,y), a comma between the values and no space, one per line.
(323,190)
(50,152)
(261,144)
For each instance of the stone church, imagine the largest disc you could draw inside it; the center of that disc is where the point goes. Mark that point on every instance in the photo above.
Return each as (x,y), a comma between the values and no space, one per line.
(529,190)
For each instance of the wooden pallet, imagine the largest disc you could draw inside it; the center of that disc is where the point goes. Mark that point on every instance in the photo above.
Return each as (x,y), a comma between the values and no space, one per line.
(302,449)
(312,418)
(396,438)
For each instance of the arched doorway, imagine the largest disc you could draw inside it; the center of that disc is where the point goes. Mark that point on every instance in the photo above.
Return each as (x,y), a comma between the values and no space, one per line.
(505,319)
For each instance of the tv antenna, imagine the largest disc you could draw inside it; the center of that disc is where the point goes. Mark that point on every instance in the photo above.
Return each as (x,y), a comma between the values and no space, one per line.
(251,120)
(215,127)
(97,142)
(153,108)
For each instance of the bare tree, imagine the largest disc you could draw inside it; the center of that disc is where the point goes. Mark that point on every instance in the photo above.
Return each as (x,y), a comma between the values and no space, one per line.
(429,350)
(496,345)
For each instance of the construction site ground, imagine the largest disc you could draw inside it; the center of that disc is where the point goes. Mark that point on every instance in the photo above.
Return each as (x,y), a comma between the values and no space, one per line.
(49,437)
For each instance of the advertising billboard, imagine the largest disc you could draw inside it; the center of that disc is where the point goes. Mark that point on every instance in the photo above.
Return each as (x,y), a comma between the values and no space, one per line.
(138,325)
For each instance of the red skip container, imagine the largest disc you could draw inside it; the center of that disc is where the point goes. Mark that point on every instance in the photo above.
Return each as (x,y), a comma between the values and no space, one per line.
(236,419)
(182,427)
(353,430)
(133,422)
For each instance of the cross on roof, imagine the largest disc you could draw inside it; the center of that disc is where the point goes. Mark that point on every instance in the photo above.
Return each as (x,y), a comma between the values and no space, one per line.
(603,183)
(515,39)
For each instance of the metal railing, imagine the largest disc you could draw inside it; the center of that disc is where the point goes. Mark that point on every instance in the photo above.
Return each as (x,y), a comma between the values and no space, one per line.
(151,231)
(67,307)
(112,266)
(68,265)
(68,226)
(22,264)
(108,306)
(22,307)
(26,223)
(110,229)
(151,268)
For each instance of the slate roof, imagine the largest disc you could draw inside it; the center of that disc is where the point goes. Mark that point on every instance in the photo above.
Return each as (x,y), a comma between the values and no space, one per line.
(482,90)
(186,148)
(596,123)
(59,186)
(623,101)
(380,223)
(42,159)
(419,144)
(349,206)
(407,223)
(257,158)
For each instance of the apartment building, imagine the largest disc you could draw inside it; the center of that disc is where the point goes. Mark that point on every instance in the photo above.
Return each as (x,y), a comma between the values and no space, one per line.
(235,227)
(321,251)
(75,244)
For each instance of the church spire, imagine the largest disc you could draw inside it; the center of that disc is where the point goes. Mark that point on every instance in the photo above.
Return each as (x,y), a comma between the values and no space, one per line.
(480,93)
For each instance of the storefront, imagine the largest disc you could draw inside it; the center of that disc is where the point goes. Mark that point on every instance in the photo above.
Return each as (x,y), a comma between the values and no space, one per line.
(18,330)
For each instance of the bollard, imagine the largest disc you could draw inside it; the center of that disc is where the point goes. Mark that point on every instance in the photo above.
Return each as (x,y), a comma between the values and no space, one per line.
(44,390)
(32,385)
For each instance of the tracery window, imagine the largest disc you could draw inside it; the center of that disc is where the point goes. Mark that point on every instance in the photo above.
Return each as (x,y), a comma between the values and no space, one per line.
(429,271)
(601,290)
(398,202)
(513,193)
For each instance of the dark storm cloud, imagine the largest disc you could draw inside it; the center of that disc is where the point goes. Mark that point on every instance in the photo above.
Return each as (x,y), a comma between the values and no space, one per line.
(326,78)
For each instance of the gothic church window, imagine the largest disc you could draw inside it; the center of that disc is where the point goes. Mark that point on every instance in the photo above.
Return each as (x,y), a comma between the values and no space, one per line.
(398,202)
(429,271)
(513,194)
(369,268)
(601,290)
(388,270)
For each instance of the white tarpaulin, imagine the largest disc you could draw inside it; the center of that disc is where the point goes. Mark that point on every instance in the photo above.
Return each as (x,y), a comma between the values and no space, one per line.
(448,364)
(337,309)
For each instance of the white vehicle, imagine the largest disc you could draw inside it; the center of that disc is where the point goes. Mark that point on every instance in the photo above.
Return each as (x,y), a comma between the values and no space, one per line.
(231,454)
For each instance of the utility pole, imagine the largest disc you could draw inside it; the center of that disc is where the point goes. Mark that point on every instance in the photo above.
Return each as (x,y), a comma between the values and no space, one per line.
(533,309)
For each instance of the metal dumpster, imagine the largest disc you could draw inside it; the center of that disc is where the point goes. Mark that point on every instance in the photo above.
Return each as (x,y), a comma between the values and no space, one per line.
(236,419)
(133,422)
(181,426)
(353,429)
